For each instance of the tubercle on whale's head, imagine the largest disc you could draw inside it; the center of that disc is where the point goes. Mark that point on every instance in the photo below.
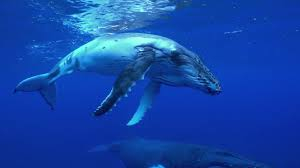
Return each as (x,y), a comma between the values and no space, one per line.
(197,75)
(207,82)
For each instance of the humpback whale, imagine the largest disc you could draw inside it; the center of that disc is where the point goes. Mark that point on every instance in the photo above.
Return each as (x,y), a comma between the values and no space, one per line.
(130,57)
(142,153)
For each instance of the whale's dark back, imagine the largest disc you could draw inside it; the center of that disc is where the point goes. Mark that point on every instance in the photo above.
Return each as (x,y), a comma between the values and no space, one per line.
(141,153)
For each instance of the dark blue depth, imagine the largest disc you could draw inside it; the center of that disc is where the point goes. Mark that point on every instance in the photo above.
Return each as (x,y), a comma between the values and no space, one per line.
(253,50)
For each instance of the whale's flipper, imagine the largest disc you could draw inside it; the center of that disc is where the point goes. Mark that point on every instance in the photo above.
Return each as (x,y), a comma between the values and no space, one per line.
(150,93)
(127,78)
(42,84)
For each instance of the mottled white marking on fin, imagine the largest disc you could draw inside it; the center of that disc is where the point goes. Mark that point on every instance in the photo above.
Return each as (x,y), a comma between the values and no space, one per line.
(157,166)
(126,79)
(151,91)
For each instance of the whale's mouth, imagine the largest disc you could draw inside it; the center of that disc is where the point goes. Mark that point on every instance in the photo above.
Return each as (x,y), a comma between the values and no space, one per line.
(213,91)
(208,90)
(208,85)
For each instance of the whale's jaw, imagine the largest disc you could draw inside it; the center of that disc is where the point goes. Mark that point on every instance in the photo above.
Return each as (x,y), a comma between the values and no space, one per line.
(185,69)
(195,74)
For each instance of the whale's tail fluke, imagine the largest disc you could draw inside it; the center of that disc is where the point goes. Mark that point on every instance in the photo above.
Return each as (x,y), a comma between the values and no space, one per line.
(41,83)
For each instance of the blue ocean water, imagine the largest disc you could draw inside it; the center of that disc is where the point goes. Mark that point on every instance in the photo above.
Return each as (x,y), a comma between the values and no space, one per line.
(251,46)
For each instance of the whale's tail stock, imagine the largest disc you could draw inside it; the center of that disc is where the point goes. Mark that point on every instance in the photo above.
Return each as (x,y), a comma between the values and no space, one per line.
(43,83)
(111,147)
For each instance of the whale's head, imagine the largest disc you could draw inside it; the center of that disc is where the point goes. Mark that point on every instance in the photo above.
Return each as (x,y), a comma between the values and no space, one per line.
(196,74)
(220,158)
(205,81)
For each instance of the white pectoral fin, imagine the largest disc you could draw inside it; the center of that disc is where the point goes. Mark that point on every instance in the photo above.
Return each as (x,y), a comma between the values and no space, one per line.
(133,72)
(150,93)
(157,166)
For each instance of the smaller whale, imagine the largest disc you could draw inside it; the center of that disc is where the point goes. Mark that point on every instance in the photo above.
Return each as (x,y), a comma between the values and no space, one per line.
(142,153)
(130,57)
